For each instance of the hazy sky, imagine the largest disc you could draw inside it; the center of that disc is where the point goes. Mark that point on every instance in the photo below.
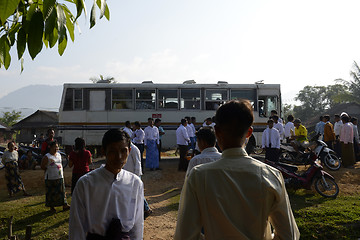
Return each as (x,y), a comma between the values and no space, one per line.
(294,43)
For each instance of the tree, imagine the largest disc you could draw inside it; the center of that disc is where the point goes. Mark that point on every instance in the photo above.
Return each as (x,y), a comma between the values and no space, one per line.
(352,85)
(10,118)
(102,79)
(34,23)
(317,99)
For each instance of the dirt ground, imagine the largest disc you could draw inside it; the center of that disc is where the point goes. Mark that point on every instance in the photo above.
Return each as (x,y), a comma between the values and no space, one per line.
(162,186)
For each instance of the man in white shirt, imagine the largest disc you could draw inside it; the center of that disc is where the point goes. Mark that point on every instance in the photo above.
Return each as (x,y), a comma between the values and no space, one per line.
(128,129)
(191,133)
(271,142)
(108,200)
(337,129)
(289,130)
(182,140)
(206,141)
(133,165)
(279,126)
(138,139)
(235,197)
(151,143)
(273,113)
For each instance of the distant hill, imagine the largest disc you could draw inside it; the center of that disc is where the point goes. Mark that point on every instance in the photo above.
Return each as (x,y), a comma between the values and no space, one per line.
(32,98)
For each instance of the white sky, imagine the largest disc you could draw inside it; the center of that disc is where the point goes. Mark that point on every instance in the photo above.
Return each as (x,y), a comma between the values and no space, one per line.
(294,43)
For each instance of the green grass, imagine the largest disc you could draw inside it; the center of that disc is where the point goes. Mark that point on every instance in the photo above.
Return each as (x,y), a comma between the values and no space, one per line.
(32,211)
(317,217)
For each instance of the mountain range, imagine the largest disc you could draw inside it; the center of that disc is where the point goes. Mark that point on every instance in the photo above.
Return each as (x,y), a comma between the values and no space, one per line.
(31,98)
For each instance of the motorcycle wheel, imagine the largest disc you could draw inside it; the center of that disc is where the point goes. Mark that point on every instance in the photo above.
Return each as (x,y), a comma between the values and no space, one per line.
(326,187)
(332,162)
(64,161)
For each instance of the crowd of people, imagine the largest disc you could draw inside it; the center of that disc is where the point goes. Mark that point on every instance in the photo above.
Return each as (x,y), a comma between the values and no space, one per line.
(226,194)
(342,136)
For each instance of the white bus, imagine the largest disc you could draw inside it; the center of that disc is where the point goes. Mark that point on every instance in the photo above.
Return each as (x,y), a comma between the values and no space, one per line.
(88,110)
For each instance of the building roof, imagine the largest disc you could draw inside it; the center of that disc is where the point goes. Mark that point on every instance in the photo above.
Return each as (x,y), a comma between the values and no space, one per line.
(40,118)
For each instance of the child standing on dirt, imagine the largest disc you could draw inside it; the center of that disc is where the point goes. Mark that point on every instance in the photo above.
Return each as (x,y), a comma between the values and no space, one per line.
(236,197)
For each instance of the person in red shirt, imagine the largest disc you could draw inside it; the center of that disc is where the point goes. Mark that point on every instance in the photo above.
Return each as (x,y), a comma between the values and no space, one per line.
(80,158)
(45,145)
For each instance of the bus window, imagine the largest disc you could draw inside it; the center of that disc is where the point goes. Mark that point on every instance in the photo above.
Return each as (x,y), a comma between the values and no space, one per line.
(266,104)
(97,100)
(145,99)
(168,99)
(215,98)
(249,94)
(190,99)
(78,99)
(68,101)
(122,99)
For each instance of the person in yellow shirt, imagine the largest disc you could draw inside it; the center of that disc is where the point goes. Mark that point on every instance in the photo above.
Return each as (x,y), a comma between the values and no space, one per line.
(300,137)
(237,196)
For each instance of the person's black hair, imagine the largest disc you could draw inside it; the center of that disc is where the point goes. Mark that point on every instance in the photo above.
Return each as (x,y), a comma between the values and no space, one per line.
(290,118)
(207,134)
(49,130)
(79,144)
(52,143)
(337,115)
(183,121)
(10,142)
(345,118)
(274,112)
(275,117)
(137,123)
(157,120)
(193,118)
(321,118)
(187,118)
(270,121)
(114,135)
(327,117)
(235,117)
(150,119)
(127,123)
(353,119)
(208,119)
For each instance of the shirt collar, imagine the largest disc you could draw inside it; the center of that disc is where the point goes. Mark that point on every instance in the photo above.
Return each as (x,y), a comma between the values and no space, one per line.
(209,149)
(234,152)
(109,175)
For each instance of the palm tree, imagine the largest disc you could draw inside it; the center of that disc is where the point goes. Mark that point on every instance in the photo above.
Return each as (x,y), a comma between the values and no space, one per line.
(102,79)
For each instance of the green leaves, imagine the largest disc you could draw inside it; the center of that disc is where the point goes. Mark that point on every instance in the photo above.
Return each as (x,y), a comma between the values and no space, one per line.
(35,35)
(5,58)
(7,8)
(39,22)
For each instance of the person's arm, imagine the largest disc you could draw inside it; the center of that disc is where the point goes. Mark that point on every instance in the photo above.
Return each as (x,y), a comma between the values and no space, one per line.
(281,216)
(77,222)
(186,135)
(44,162)
(71,162)
(157,136)
(138,230)
(263,139)
(137,162)
(277,140)
(188,226)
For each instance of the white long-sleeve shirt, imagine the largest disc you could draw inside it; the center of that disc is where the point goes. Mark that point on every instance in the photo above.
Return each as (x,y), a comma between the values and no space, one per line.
(210,154)
(151,133)
(190,131)
(182,137)
(288,127)
(98,198)
(138,136)
(133,163)
(280,128)
(337,127)
(271,135)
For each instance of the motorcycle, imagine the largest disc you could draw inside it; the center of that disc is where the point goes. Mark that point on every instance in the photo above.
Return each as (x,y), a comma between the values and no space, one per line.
(326,155)
(324,183)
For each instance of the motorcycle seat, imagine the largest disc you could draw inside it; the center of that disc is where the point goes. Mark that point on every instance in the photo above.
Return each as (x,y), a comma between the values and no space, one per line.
(289,167)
